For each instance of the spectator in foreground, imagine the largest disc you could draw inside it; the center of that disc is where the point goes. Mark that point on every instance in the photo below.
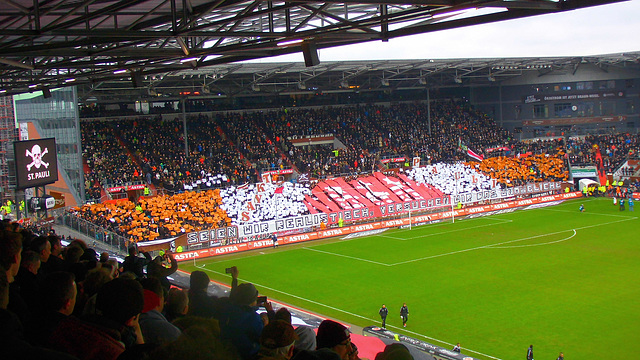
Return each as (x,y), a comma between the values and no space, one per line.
(27,280)
(155,327)
(59,293)
(283,314)
(11,341)
(201,303)
(157,269)
(306,339)
(10,259)
(177,305)
(277,341)
(335,337)
(86,300)
(135,264)
(55,262)
(395,351)
(200,340)
(42,246)
(108,335)
(239,322)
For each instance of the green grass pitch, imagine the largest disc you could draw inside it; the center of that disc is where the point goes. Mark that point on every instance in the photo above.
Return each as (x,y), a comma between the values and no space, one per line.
(552,277)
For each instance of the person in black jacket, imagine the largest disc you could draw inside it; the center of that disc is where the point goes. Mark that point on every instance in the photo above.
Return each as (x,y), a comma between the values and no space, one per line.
(157,269)
(530,352)
(404,314)
(200,302)
(383,314)
(135,264)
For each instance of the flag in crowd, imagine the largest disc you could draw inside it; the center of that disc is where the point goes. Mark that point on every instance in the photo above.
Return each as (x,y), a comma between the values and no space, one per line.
(471,153)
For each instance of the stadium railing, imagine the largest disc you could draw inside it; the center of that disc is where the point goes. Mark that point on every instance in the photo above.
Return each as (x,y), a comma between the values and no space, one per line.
(116,242)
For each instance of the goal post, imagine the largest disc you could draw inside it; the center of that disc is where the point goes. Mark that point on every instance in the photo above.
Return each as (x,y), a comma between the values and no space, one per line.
(453,212)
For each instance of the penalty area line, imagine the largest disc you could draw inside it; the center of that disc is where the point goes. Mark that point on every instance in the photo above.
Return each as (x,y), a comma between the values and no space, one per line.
(502,221)
(592,213)
(346,256)
(509,242)
(529,245)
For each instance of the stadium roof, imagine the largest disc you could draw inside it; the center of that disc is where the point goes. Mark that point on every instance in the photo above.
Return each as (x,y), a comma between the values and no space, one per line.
(92,43)
(270,79)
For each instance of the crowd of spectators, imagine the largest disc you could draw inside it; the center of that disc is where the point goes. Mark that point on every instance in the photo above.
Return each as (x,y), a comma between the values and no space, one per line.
(250,203)
(161,216)
(152,151)
(107,160)
(239,145)
(614,149)
(452,179)
(233,148)
(160,146)
(228,150)
(165,216)
(513,171)
(374,132)
(234,145)
(250,140)
(66,302)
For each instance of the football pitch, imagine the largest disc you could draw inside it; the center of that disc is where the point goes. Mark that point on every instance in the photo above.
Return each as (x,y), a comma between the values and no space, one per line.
(553,277)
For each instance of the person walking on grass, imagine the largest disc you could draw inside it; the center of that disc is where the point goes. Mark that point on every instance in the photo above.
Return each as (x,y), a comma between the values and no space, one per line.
(404,314)
(383,315)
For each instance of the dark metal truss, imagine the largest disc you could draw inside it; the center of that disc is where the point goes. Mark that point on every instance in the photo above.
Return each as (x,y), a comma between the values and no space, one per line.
(54,43)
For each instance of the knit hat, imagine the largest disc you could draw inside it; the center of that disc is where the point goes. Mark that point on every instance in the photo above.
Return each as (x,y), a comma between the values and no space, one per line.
(277,334)
(395,351)
(244,294)
(330,334)
(120,299)
(199,280)
(283,314)
(306,338)
(151,300)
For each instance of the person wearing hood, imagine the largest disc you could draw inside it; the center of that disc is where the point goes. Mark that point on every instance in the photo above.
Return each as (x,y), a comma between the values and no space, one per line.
(239,321)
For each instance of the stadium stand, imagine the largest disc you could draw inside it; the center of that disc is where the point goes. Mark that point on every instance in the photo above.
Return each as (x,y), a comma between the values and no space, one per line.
(236,145)
(160,216)
(112,315)
(228,150)
(107,160)
(216,185)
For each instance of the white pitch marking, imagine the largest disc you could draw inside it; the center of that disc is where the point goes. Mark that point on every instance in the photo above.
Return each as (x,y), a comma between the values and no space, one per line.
(590,213)
(508,242)
(350,313)
(447,232)
(529,245)
(346,256)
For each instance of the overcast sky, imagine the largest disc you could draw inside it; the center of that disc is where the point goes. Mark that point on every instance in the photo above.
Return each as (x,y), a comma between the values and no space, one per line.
(596,30)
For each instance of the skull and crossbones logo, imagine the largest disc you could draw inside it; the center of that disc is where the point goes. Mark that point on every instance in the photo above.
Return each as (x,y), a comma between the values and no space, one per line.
(36,155)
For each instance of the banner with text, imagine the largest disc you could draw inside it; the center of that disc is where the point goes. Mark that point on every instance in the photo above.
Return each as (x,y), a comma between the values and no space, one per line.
(422,219)
(475,196)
